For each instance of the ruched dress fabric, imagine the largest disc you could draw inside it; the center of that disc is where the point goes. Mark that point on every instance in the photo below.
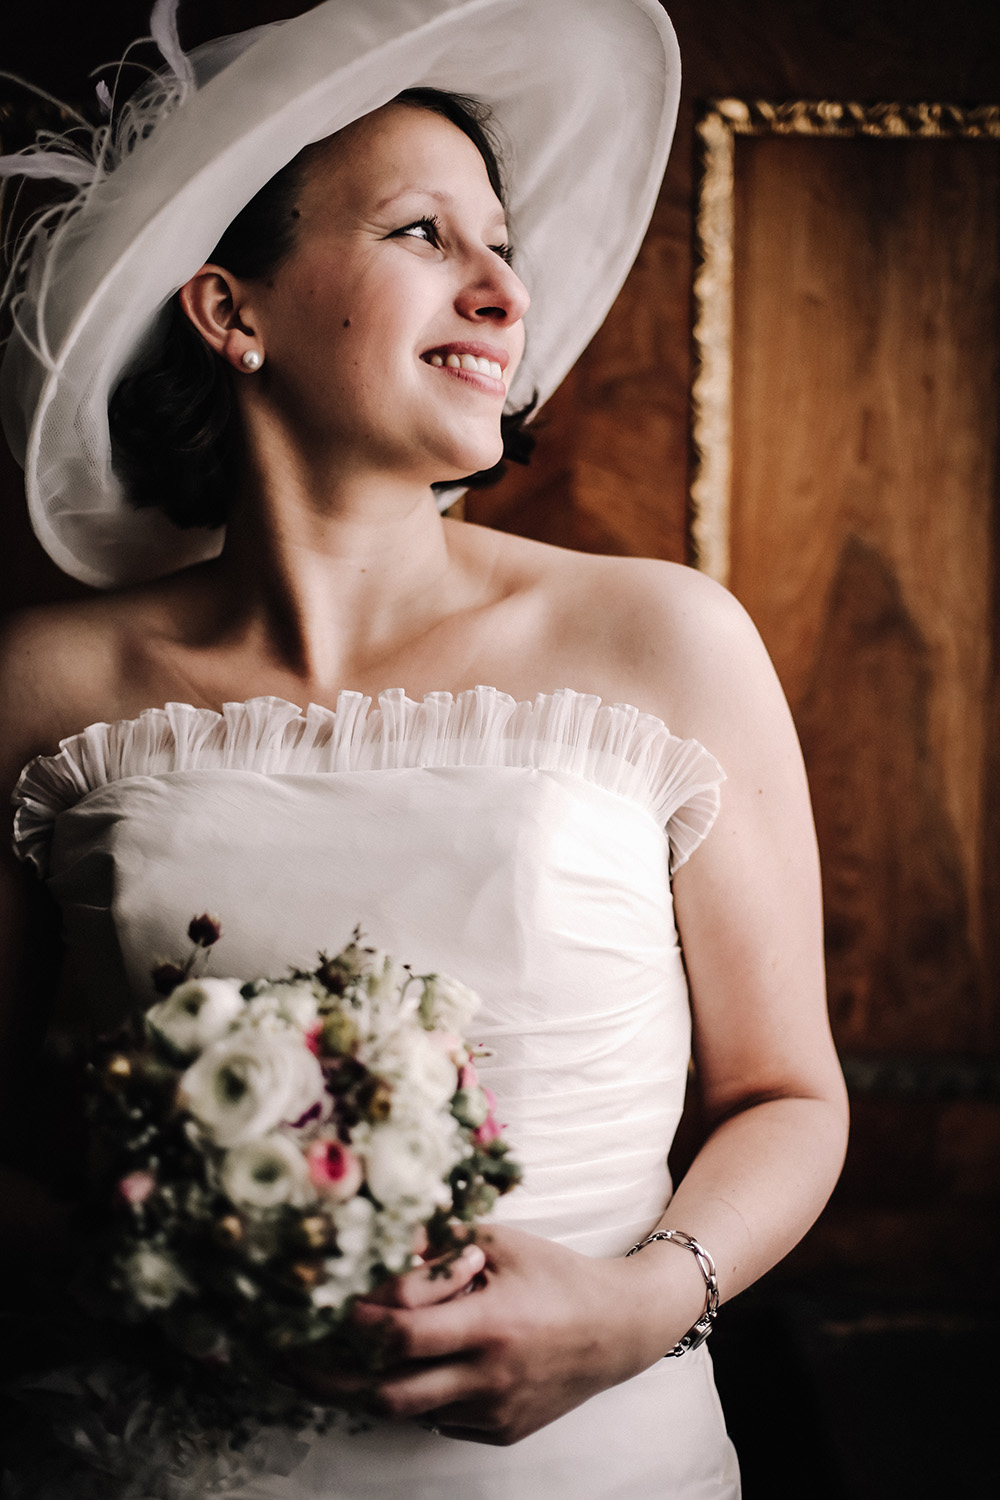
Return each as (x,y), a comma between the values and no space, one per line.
(525,848)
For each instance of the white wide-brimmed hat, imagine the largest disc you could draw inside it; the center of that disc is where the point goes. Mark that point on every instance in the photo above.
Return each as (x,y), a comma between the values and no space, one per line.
(584,96)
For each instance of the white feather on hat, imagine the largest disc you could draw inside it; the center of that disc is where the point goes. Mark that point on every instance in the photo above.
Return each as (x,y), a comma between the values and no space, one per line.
(584,93)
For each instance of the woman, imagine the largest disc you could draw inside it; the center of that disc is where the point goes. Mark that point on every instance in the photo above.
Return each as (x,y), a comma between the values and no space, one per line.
(542,847)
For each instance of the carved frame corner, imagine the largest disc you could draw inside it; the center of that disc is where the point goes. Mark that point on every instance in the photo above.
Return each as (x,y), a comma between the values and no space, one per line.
(718,124)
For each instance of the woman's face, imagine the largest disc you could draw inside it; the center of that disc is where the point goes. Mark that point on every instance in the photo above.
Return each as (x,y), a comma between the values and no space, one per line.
(392,331)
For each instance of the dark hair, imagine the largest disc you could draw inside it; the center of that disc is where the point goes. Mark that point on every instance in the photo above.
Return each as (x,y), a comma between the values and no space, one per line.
(173,419)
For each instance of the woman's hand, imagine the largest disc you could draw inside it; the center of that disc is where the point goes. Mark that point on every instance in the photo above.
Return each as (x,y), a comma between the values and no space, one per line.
(544,1329)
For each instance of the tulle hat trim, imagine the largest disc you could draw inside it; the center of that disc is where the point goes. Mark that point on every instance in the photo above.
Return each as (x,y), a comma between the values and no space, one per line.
(584,94)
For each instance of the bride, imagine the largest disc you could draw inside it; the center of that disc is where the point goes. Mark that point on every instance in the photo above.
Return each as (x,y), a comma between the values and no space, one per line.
(283,719)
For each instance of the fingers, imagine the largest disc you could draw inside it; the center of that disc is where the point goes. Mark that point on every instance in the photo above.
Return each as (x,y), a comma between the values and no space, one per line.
(444,1330)
(459,1417)
(432,1393)
(332,1387)
(435,1281)
(495,1439)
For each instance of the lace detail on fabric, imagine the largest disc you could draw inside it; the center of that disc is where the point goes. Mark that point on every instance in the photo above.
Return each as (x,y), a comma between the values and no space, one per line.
(612,745)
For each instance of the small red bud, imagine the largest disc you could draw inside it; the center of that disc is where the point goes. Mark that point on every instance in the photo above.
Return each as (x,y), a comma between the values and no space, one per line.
(205,930)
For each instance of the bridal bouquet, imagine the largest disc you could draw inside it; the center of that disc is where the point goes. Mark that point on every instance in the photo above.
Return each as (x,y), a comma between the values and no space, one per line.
(271,1150)
(262,1154)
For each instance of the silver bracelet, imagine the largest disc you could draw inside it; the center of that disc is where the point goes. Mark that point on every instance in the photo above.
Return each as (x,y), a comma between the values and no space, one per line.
(697,1334)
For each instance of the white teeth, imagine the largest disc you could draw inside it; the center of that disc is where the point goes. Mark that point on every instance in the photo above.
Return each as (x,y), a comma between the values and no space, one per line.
(472,362)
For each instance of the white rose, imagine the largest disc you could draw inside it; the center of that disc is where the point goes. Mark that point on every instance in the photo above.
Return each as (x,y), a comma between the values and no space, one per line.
(407,1166)
(154,1278)
(447,1004)
(264,1174)
(244,1085)
(196,1014)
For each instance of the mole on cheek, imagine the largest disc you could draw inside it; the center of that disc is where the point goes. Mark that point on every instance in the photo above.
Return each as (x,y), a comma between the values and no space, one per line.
(347,322)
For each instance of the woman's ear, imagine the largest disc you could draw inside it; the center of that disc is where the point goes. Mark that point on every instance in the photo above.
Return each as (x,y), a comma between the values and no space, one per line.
(211,299)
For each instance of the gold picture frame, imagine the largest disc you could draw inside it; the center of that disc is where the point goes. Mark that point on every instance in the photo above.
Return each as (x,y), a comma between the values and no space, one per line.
(720,123)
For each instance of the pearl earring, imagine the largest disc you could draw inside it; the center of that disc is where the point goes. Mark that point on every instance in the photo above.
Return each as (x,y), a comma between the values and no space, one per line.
(252,360)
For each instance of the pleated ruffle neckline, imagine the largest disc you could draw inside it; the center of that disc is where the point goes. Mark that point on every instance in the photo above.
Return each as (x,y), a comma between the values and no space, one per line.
(613,746)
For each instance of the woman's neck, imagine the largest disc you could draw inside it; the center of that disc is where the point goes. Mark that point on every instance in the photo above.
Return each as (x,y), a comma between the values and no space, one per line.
(327,587)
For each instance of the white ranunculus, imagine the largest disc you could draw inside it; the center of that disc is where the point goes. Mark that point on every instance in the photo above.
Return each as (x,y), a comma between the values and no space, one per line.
(348,1272)
(284,1005)
(298,1004)
(425,1074)
(263,1011)
(354,1222)
(395,1241)
(265,1174)
(153,1278)
(407,1166)
(196,1014)
(243,1086)
(447,1004)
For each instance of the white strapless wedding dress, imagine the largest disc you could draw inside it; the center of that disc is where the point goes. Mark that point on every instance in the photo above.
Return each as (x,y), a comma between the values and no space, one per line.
(525,848)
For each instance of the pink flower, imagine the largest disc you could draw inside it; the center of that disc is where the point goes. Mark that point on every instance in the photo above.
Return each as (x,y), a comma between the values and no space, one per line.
(136,1187)
(334,1170)
(312,1036)
(489,1129)
(468,1078)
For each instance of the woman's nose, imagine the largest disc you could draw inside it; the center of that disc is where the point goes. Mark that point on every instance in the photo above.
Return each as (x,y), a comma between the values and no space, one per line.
(495,294)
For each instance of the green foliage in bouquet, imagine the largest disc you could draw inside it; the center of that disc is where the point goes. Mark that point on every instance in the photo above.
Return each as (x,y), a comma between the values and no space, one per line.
(265,1152)
(261,1155)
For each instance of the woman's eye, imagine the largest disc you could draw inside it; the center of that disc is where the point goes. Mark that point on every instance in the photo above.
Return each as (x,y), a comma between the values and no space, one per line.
(505,252)
(421,229)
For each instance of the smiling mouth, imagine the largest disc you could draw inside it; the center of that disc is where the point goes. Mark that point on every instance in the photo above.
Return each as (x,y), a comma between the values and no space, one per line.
(475,364)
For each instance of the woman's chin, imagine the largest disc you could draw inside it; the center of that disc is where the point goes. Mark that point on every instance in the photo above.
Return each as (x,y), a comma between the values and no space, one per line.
(471,460)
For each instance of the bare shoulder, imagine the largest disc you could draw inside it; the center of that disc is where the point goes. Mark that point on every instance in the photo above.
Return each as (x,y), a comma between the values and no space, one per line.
(657,634)
(690,653)
(58,665)
(682,639)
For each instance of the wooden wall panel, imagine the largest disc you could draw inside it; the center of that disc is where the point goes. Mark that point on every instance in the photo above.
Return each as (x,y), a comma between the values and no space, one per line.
(864,493)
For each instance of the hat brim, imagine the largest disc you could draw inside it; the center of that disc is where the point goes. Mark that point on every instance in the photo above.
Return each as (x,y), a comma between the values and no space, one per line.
(584,94)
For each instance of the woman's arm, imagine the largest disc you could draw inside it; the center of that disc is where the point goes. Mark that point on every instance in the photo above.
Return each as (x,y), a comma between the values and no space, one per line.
(32,1221)
(749,912)
(550,1327)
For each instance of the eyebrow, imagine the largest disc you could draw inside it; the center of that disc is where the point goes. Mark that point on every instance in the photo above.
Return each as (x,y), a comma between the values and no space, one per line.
(408,192)
(432,193)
